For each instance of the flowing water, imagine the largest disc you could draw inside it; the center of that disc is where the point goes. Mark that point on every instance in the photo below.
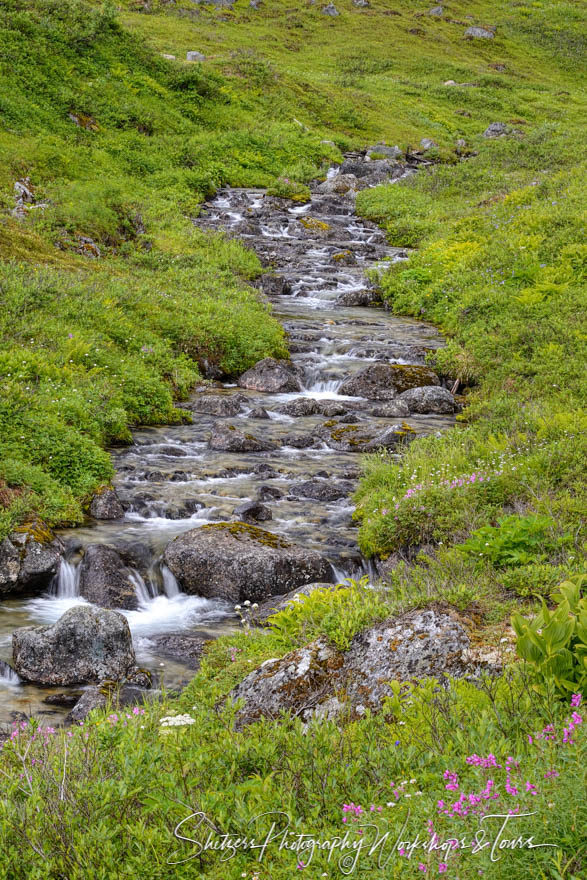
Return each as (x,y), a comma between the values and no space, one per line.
(169,480)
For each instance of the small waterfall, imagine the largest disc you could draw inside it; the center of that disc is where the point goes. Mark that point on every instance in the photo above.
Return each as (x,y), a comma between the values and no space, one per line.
(324,386)
(8,677)
(170,585)
(66,582)
(145,593)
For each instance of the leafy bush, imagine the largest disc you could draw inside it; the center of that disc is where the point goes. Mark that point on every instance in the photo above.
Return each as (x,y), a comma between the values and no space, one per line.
(517,540)
(554,643)
(284,188)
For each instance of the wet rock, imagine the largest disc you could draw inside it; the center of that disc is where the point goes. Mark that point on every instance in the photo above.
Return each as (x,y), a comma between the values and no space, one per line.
(479,33)
(227,438)
(341,184)
(259,412)
(392,410)
(106,505)
(86,645)
(171,451)
(252,511)
(296,683)
(322,490)
(29,561)
(104,579)
(366,296)
(186,648)
(301,406)
(67,701)
(182,510)
(298,441)
(344,258)
(236,561)
(332,408)
(431,399)
(218,404)
(390,438)
(272,376)
(495,130)
(386,381)
(269,493)
(275,285)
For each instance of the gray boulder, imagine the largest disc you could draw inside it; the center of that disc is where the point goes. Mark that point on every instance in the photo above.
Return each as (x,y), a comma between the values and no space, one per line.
(436,11)
(301,406)
(318,681)
(29,561)
(86,645)
(275,285)
(118,696)
(237,561)
(393,410)
(217,404)
(104,578)
(495,130)
(386,381)
(252,511)
(106,505)
(184,647)
(363,297)
(427,144)
(341,184)
(330,10)
(322,490)
(272,376)
(479,33)
(195,56)
(259,412)
(384,150)
(227,438)
(431,399)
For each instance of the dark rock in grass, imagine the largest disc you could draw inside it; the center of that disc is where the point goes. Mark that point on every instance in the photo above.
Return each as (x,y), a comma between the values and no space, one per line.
(388,152)
(272,376)
(118,696)
(252,511)
(417,645)
(106,505)
(29,561)
(495,130)
(217,404)
(86,645)
(91,699)
(428,144)
(386,381)
(301,406)
(431,399)
(236,561)
(479,33)
(104,578)
(436,11)
(184,647)
(227,438)
(322,490)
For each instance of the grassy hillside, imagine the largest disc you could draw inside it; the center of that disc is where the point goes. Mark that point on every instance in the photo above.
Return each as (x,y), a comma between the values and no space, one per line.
(480,520)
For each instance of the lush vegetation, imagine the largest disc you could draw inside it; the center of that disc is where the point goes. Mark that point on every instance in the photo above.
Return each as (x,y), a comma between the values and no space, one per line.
(112,304)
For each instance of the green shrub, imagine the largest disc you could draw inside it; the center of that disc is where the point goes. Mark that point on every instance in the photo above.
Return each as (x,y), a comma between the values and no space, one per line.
(554,644)
(516,540)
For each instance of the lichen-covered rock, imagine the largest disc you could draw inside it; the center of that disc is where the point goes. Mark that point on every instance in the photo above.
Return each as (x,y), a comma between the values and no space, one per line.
(86,645)
(386,381)
(420,644)
(296,683)
(227,438)
(105,580)
(106,505)
(392,410)
(318,681)
(341,184)
(322,490)
(428,144)
(29,560)
(272,376)
(185,647)
(301,406)
(479,33)
(364,437)
(364,296)
(495,130)
(430,399)
(237,561)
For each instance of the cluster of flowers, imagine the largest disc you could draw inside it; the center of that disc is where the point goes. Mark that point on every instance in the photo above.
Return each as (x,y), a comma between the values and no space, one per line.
(125,718)
(177,720)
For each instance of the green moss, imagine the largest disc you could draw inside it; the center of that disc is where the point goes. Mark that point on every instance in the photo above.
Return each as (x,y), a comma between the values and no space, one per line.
(254,533)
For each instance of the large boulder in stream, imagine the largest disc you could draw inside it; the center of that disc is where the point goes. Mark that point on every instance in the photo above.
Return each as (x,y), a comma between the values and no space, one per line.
(386,381)
(106,505)
(105,580)
(237,561)
(227,438)
(217,404)
(272,376)
(86,645)
(318,680)
(29,560)
(431,399)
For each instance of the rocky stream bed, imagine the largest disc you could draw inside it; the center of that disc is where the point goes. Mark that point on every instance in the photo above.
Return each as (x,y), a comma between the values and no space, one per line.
(274,457)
